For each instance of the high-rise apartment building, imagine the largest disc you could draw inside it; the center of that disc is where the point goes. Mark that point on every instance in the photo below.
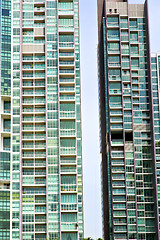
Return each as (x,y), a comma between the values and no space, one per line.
(40,151)
(130,127)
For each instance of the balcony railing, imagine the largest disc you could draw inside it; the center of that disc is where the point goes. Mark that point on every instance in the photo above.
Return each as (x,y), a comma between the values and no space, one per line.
(66,54)
(66,114)
(68,207)
(67,89)
(67,151)
(40,220)
(66,62)
(69,226)
(6,129)
(117,154)
(68,187)
(7,111)
(66,45)
(66,80)
(66,70)
(67,132)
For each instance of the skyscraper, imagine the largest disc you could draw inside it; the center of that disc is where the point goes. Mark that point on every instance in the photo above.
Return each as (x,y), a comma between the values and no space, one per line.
(41,161)
(129,112)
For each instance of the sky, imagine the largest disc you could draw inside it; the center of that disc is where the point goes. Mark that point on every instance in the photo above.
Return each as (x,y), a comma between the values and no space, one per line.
(90,111)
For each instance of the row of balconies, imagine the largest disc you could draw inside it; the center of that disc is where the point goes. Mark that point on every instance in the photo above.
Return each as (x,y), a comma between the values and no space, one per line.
(31,146)
(33,67)
(34,110)
(63,151)
(34,164)
(33,92)
(31,101)
(33,84)
(36,128)
(35,58)
(64,114)
(34,119)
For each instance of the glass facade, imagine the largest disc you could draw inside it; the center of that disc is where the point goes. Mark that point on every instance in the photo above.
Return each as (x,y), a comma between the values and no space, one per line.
(132,132)
(155,61)
(40,155)
(5,118)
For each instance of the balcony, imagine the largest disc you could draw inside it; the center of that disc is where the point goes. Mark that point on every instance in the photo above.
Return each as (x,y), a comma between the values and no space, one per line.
(7,111)
(67,97)
(34,110)
(69,207)
(66,80)
(68,161)
(35,191)
(117,142)
(66,28)
(68,132)
(40,229)
(118,177)
(115,105)
(40,209)
(68,187)
(117,154)
(117,169)
(32,93)
(126,91)
(117,162)
(114,64)
(65,12)
(118,191)
(67,151)
(39,58)
(66,63)
(67,71)
(66,45)
(39,17)
(6,148)
(6,130)
(68,170)
(112,24)
(69,226)
(66,54)
(39,9)
(27,58)
(34,146)
(67,89)
(39,200)
(40,173)
(116,126)
(40,220)
(115,91)
(39,41)
(113,37)
(67,114)
(126,78)
(36,119)
(28,155)
(124,38)
(40,181)
(119,214)
(113,51)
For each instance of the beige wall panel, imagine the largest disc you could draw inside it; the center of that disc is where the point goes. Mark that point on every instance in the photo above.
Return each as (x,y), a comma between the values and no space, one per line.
(136,10)
(120,6)
(39,31)
(35,48)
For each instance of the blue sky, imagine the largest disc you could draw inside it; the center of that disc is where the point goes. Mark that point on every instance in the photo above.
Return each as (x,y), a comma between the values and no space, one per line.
(90,112)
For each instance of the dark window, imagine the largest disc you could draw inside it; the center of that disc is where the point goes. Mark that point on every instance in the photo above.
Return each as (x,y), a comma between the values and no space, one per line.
(5,12)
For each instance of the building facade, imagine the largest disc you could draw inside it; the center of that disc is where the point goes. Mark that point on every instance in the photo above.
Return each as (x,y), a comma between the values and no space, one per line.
(129,117)
(5,118)
(41,159)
